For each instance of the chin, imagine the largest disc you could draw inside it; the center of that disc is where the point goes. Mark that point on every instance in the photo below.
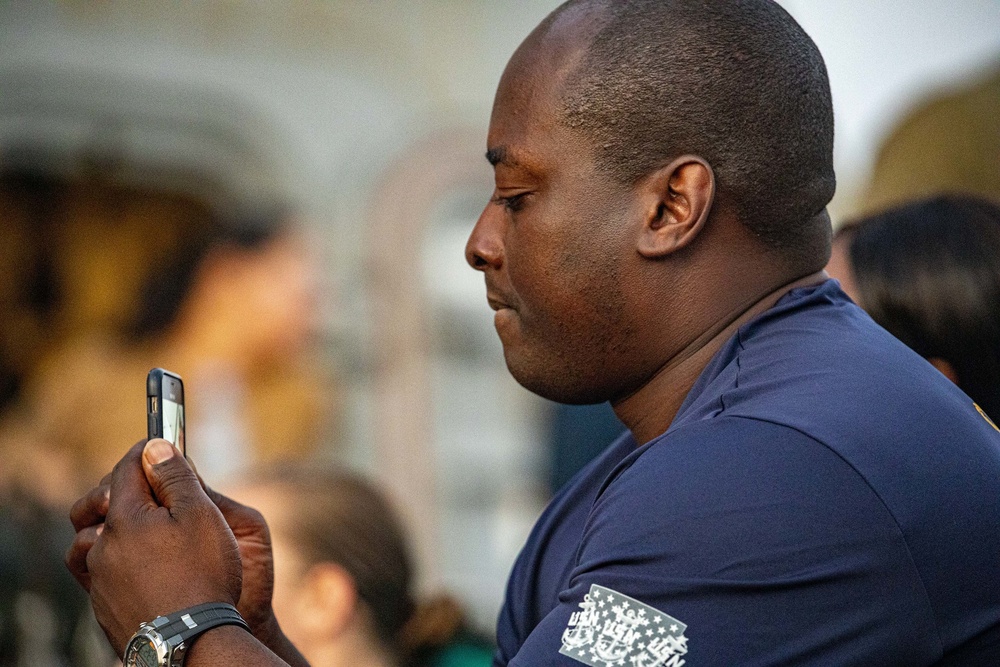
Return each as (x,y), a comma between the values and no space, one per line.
(559,384)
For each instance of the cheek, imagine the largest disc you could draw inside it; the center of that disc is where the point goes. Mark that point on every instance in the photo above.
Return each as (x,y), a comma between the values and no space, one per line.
(570,277)
(539,254)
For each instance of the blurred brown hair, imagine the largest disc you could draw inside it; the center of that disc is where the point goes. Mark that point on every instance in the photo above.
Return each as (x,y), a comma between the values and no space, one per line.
(338,517)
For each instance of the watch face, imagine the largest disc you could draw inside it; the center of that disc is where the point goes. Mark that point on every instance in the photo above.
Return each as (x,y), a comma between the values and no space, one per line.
(143,654)
(146,657)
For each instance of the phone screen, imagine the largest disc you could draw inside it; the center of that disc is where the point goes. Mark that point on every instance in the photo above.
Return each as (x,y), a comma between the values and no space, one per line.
(173,423)
(165,407)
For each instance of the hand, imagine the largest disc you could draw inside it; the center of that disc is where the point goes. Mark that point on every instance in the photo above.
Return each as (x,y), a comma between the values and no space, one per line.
(249,528)
(164,545)
(87,516)
(254,541)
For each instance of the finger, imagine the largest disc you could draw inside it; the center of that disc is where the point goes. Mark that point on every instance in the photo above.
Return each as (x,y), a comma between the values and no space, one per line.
(173,481)
(239,517)
(91,509)
(194,467)
(201,480)
(106,480)
(76,555)
(129,488)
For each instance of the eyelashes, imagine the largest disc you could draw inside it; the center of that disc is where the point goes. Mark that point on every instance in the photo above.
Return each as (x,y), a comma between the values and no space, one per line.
(514,203)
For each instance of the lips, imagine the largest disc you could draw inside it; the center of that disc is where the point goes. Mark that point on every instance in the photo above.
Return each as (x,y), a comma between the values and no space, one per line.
(496,302)
(497,297)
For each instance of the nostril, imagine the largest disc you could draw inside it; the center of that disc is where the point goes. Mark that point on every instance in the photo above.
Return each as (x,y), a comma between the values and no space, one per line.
(483,252)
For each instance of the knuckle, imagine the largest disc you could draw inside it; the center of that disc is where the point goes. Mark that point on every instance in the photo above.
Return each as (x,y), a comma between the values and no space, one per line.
(71,558)
(173,472)
(75,517)
(255,517)
(91,560)
(118,467)
(206,514)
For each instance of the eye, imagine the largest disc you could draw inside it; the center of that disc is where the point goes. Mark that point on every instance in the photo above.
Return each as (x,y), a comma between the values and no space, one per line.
(513,203)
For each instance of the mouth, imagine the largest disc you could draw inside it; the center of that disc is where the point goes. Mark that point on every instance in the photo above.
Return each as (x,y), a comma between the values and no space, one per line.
(496,303)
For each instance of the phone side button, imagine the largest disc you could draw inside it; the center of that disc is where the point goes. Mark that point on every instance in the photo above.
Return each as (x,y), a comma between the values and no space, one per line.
(151,426)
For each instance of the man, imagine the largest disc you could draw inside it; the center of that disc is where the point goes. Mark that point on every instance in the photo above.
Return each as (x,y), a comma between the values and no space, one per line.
(797,487)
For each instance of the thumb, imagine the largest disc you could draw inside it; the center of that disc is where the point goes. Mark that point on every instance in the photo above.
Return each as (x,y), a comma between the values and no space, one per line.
(170,477)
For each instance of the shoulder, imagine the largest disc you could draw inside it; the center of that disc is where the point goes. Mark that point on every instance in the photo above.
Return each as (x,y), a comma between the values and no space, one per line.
(727,482)
(735,519)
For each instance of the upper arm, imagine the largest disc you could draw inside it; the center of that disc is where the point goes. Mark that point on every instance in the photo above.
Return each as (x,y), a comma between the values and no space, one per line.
(757,543)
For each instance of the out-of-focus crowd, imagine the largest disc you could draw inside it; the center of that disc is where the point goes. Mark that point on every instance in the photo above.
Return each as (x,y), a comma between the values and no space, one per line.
(102,279)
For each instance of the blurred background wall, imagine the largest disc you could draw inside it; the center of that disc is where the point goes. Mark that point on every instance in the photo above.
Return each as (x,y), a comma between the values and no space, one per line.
(369,117)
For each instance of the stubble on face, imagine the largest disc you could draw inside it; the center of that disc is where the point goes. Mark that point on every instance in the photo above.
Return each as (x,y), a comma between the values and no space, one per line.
(565,253)
(566,339)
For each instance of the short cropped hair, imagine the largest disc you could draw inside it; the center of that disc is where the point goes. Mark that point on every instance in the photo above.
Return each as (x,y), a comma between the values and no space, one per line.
(736,82)
(929,272)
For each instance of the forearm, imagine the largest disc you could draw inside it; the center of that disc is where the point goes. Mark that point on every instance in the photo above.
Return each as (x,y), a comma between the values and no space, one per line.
(232,645)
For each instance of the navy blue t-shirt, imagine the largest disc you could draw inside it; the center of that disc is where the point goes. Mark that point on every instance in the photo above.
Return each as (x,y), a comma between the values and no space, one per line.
(823,496)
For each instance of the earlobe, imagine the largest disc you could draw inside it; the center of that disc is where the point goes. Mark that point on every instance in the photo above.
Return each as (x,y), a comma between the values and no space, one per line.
(677,201)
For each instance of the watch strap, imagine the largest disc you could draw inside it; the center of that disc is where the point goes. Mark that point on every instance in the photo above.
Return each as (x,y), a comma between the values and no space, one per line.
(182,626)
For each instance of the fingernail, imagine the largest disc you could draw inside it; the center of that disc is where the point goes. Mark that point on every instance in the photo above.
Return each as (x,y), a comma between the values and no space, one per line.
(158,451)
(99,529)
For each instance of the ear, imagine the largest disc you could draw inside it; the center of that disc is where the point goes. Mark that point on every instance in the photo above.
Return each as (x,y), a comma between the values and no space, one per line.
(329,600)
(676,202)
(945,367)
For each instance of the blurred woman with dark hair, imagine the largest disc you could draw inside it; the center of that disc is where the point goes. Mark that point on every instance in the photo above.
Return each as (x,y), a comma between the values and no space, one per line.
(225,298)
(343,578)
(929,272)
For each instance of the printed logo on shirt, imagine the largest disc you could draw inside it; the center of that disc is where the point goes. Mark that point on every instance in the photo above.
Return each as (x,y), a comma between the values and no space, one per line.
(614,630)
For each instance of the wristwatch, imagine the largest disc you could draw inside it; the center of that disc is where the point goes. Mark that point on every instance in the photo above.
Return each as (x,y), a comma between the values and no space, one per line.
(164,641)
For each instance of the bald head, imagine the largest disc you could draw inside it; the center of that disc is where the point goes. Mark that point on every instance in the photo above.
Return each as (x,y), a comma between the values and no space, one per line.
(738,83)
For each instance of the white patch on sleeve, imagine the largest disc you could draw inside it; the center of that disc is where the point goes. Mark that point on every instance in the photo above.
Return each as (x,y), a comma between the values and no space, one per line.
(614,630)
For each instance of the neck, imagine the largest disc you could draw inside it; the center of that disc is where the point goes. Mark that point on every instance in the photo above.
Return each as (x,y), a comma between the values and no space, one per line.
(649,411)
(356,654)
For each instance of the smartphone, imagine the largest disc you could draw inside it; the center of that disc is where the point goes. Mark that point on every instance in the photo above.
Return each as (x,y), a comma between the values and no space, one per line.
(165,407)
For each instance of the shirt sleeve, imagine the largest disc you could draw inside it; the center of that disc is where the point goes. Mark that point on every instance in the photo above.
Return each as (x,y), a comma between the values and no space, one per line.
(738,541)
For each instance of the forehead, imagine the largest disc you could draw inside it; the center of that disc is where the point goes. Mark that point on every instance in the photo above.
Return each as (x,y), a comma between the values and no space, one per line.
(527,107)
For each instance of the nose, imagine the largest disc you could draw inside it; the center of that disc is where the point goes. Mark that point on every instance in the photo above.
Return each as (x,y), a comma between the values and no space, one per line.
(484,248)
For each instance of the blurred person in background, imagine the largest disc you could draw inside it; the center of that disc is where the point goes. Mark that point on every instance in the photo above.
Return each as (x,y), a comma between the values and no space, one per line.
(101,282)
(929,272)
(227,301)
(44,620)
(343,577)
(28,298)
